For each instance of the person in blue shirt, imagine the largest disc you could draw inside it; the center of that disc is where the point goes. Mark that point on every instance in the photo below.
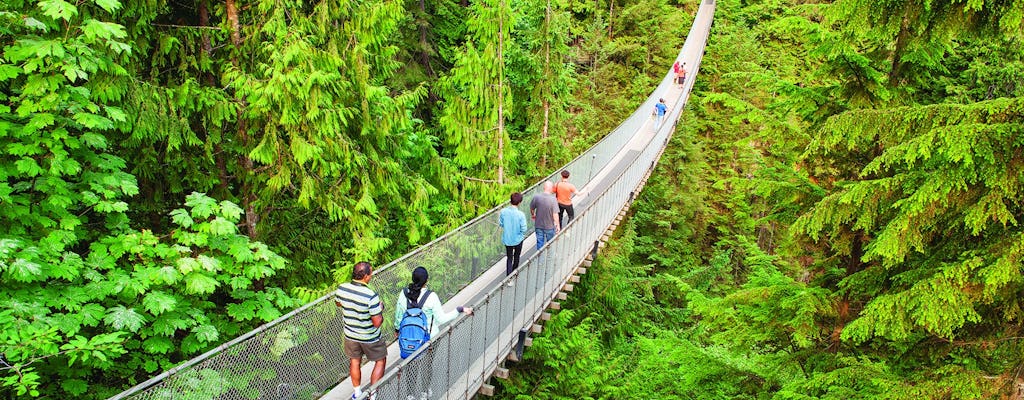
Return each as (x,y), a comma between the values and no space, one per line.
(513,231)
(660,110)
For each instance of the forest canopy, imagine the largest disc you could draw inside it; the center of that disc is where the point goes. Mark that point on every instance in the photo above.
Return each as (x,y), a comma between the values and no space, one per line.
(176,173)
(838,217)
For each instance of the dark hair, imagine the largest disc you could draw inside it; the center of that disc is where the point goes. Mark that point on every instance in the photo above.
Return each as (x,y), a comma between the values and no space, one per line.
(565,173)
(419,278)
(516,198)
(361,270)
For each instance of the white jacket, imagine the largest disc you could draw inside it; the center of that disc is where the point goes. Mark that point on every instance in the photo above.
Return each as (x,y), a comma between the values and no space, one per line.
(436,316)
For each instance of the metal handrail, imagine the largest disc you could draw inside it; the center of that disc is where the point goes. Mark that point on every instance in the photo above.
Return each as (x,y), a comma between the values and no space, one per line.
(295,355)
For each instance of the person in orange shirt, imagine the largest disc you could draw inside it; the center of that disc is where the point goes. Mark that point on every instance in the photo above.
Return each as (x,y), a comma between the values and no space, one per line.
(564,191)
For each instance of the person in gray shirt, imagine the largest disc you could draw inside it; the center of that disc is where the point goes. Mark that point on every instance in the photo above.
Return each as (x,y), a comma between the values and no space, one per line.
(544,212)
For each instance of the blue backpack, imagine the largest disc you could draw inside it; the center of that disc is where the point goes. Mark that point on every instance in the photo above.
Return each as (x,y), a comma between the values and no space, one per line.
(414,329)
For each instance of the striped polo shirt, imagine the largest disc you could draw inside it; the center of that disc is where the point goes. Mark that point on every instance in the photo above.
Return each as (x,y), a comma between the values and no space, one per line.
(358,304)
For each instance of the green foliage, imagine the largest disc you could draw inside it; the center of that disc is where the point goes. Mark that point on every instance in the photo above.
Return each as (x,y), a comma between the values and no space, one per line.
(476,99)
(911,36)
(811,239)
(329,129)
(944,171)
(136,290)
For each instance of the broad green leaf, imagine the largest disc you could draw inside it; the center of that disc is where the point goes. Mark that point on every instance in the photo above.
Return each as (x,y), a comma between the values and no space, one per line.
(159,302)
(202,205)
(167,275)
(116,114)
(23,270)
(158,345)
(103,30)
(242,311)
(8,71)
(58,9)
(230,210)
(220,226)
(94,140)
(169,323)
(91,314)
(209,264)
(197,283)
(28,166)
(206,333)
(119,317)
(109,5)
(33,23)
(268,313)
(258,271)
(187,264)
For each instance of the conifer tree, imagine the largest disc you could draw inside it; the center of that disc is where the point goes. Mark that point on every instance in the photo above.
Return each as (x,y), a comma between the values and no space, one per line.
(553,77)
(917,32)
(933,211)
(476,96)
(330,130)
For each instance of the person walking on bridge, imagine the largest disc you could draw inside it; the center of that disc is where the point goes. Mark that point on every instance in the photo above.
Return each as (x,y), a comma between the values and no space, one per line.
(659,110)
(363,314)
(417,293)
(544,211)
(513,231)
(680,70)
(417,296)
(564,191)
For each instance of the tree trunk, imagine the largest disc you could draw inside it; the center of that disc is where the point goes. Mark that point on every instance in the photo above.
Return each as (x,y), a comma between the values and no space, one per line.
(209,80)
(853,265)
(501,93)
(248,192)
(547,86)
(897,53)
(611,8)
(424,44)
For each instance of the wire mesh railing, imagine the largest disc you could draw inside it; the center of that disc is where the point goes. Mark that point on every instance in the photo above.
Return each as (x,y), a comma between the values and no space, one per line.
(299,355)
(472,348)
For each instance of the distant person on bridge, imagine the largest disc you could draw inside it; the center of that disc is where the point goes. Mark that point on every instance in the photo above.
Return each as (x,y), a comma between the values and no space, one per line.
(513,231)
(563,193)
(659,110)
(680,70)
(544,211)
(363,314)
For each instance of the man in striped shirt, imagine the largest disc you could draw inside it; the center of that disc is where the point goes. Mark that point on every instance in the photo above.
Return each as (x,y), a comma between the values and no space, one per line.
(363,314)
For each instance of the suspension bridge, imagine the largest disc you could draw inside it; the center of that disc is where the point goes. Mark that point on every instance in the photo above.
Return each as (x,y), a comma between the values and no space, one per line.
(300,355)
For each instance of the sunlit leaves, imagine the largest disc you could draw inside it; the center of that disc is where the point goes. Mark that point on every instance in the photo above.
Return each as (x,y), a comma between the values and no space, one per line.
(158,302)
(109,5)
(206,333)
(119,317)
(58,9)
(198,283)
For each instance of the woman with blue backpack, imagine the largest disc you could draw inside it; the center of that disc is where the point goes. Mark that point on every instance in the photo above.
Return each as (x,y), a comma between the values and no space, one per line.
(419,315)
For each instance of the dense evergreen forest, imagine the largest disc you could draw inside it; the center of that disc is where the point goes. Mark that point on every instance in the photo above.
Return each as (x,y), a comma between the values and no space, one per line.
(839,217)
(178,172)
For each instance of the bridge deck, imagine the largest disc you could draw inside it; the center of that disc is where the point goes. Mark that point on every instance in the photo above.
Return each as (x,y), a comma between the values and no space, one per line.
(495,274)
(298,355)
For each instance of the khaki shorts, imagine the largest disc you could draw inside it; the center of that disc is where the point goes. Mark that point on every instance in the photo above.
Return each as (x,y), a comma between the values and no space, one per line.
(375,351)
